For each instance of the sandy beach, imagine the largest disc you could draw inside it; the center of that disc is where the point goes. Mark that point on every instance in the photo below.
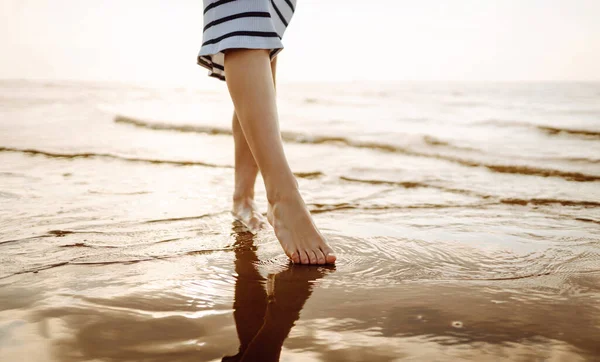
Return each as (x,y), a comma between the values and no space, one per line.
(465,218)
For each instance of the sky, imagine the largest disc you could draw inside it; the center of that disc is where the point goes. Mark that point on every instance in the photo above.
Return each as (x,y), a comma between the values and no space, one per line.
(156,41)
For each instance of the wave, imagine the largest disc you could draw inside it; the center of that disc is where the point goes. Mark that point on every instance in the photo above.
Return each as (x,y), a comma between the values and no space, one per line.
(550,130)
(411,184)
(49,234)
(581,203)
(132,260)
(509,201)
(59,233)
(543,172)
(77,155)
(325,208)
(96,192)
(580,160)
(519,169)
(171,127)
(309,175)
(432,141)
(185,218)
(85,245)
(35,270)
(33,152)
(578,132)
(584,219)
(295,137)
(510,169)
(405,184)
(287,136)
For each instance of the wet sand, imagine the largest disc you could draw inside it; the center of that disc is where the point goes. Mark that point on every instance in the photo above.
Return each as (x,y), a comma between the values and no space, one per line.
(471,233)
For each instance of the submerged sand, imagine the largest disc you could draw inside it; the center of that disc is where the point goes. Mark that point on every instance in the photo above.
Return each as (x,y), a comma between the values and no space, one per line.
(465,219)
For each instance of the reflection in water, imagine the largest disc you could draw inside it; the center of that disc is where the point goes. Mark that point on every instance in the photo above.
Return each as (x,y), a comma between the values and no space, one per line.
(180,310)
(264,317)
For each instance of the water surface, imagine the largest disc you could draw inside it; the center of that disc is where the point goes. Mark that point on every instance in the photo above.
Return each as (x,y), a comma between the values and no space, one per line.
(465,217)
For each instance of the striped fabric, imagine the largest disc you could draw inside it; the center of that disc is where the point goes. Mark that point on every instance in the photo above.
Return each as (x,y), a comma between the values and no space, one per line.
(250,24)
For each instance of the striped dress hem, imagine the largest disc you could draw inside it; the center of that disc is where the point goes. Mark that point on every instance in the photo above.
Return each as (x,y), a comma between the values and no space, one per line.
(242,24)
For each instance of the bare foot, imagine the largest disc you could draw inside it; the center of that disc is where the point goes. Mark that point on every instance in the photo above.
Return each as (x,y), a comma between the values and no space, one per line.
(298,235)
(246,212)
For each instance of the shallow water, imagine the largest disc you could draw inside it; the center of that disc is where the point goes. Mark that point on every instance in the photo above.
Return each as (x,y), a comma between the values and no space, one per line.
(465,217)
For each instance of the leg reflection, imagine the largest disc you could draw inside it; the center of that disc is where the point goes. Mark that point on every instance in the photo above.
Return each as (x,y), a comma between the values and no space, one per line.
(264,319)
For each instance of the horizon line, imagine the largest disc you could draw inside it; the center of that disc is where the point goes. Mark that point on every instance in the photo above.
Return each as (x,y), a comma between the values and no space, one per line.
(284,81)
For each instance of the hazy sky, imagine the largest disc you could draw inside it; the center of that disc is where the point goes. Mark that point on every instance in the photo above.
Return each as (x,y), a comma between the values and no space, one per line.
(157,40)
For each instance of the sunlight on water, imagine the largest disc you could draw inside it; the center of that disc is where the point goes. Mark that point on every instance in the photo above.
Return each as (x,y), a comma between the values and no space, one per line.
(465,219)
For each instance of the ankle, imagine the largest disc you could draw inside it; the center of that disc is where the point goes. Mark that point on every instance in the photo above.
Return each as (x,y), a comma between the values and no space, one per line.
(280,195)
(280,187)
(243,195)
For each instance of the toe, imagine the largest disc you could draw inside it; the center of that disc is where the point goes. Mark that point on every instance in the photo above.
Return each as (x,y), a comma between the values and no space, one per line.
(304,258)
(295,257)
(330,257)
(312,257)
(320,256)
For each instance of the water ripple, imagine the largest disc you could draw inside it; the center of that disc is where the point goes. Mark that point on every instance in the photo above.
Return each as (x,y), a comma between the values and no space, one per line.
(384,260)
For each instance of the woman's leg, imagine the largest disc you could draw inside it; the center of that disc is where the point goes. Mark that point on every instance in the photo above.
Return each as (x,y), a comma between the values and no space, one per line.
(252,90)
(246,170)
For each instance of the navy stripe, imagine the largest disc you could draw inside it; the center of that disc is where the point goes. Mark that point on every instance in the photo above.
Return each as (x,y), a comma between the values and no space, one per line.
(262,34)
(279,13)
(218,76)
(291,5)
(215,4)
(249,14)
(204,62)
(210,64)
